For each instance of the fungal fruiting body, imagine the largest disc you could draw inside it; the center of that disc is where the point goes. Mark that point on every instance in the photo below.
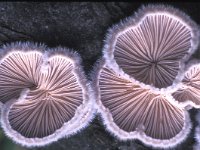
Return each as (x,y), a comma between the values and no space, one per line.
(133,111)
(152,45)
(44,93)
(144,59)
(188,92)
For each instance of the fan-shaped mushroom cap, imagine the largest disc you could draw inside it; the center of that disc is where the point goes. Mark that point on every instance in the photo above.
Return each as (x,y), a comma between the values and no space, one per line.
(132,111)
(188,92)
(152,45)
(45,96)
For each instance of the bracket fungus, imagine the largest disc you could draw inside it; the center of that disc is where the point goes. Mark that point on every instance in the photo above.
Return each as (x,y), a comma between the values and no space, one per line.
(188,92)
(44,94)
(131,110)
(144,57)
(152,45)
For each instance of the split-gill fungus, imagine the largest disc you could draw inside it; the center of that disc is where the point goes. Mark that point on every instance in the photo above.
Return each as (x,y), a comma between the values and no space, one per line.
(144,57)
(188,92)
(131,110)
(152,45)
(44,93)
(140,85)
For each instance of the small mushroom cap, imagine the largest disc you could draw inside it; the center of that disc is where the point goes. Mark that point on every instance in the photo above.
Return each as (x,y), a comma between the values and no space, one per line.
(188,92)
(152,45)
(45,96)
(130,111)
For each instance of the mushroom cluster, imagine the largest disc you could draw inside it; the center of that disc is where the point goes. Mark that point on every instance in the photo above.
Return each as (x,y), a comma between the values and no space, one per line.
(142,89)
(144,84)
(44,94)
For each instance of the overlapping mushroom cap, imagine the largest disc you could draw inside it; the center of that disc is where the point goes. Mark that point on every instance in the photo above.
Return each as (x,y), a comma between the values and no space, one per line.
(44,93)
(144,60)
(188,92)
(134,111)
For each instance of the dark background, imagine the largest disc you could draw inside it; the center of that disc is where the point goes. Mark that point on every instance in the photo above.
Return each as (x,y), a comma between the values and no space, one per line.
(81,26)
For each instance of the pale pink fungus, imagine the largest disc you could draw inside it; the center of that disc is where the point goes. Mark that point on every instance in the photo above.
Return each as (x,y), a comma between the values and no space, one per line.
(152,45)
(144,59)
(44,93)
(133,111)
(188,92)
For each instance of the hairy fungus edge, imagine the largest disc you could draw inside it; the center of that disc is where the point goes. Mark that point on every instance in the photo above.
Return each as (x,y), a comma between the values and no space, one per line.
(187,103)
(134,20)
(84,113)
(122,135)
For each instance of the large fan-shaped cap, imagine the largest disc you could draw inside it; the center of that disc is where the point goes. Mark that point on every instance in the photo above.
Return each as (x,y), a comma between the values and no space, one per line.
(152,45)
(130,111)
(188,92)
(45,95)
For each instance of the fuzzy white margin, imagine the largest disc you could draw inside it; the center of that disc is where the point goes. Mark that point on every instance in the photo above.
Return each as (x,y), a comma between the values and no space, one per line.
(133,21)
(84,113)
(188,103)
(124,135)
